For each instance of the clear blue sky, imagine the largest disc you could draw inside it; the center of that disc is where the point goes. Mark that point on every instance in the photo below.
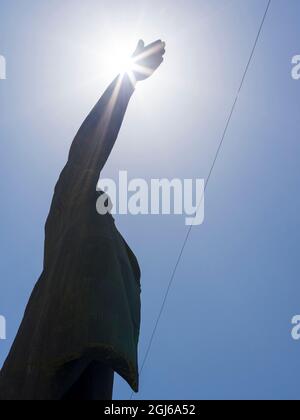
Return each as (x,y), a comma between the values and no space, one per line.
(226,330)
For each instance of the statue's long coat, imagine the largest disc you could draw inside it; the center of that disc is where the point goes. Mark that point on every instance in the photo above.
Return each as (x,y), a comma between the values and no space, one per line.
(86,304)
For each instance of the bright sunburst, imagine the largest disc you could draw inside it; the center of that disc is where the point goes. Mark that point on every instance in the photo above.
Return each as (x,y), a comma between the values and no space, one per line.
(117,58)
(119,62)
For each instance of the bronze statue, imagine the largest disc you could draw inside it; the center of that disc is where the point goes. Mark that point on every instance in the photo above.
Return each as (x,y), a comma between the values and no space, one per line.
(82,321)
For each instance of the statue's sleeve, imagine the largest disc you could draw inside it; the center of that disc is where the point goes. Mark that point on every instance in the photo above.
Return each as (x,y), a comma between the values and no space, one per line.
(94,141)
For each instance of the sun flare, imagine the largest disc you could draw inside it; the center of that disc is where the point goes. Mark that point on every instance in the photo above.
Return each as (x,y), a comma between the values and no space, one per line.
(120,63)
(118,58)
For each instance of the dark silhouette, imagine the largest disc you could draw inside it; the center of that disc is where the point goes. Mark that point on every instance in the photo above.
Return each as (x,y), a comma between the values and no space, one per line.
(82,321)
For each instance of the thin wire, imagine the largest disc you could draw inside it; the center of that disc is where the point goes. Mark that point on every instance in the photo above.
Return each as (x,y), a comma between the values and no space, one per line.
(205,187)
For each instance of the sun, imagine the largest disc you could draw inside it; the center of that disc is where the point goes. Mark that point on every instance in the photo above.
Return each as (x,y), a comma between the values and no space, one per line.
(118,58)
(119,62)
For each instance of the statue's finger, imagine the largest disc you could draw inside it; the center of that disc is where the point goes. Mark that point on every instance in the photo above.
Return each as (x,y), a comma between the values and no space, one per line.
(155,46)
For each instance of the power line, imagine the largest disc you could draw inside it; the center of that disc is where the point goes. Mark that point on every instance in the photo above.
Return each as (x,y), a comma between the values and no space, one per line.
(205,187)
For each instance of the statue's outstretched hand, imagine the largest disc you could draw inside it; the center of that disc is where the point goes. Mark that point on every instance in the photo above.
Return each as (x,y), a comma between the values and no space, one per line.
(147,59)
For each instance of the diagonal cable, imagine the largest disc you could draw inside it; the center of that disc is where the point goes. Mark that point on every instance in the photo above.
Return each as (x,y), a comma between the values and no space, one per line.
(205,187)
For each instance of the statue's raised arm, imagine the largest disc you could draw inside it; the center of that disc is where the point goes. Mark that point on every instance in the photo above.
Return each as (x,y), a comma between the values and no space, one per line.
(98,134)
(94,143)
